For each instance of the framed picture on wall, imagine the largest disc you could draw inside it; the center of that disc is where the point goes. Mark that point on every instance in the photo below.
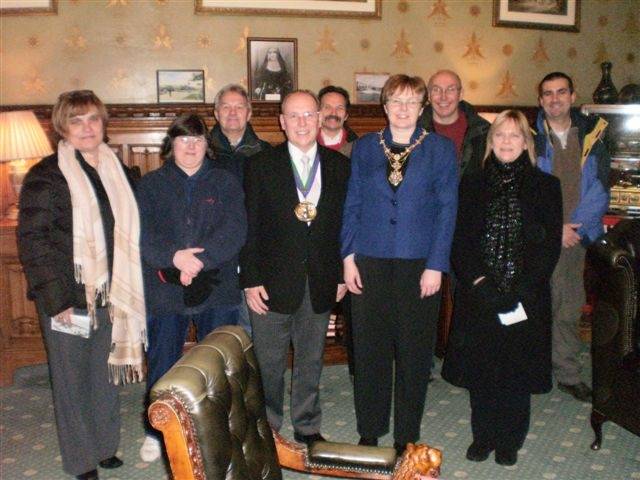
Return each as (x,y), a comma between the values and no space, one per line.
(29,7)
(180,86)
(272,66)
(368,87)
(537,14)
(302,8)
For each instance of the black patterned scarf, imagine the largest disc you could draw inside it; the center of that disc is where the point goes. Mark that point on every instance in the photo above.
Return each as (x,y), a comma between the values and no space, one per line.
(502,241)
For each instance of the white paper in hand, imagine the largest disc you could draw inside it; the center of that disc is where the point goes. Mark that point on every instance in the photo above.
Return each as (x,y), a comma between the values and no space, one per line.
(80,326)
(514,316)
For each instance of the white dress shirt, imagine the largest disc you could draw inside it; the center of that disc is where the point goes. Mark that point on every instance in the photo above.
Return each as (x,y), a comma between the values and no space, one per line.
(296,156)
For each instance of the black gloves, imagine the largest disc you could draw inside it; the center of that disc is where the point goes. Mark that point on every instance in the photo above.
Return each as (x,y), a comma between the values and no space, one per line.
(486,294)
(200,288)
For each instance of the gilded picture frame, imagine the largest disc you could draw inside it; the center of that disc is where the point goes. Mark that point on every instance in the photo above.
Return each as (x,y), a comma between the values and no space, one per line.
(563,15)
(28,7)
(301,8)
(272,68)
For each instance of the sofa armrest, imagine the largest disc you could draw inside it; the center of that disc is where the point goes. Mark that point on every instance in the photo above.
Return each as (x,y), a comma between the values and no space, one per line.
(170,416)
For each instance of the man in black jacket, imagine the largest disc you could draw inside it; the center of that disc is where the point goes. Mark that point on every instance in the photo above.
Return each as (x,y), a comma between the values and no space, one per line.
(233,141)
(291,268)
(233,138)
(452,117)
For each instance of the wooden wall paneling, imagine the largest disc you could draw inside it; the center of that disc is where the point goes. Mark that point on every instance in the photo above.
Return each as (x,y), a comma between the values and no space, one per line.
(145,157)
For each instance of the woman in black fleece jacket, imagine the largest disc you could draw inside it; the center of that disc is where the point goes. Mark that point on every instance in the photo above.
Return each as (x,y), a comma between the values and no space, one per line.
(193,226)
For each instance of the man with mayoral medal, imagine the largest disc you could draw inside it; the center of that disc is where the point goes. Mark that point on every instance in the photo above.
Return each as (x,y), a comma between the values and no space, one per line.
(291,268)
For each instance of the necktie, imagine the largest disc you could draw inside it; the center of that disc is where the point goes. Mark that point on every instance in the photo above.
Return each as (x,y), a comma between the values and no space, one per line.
(306,168)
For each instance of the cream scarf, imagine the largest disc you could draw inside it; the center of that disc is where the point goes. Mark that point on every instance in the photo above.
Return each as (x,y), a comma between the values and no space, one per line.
(123,293)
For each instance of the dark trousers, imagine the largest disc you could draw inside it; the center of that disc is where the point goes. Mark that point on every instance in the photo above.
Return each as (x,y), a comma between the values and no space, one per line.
(345,304)
(392,324)
(86,405)
(500,417)
(167,334)
(272,335)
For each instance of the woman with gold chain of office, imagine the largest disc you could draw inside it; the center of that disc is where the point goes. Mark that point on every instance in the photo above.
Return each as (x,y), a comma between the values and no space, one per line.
(398,225)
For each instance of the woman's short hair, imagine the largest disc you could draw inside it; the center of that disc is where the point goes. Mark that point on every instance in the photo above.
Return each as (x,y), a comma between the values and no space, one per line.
(74,103)
(187,126)
(402,82)
(520,121)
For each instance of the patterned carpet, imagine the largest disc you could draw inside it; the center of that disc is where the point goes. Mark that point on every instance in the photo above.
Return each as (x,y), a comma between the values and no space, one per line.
(557,446)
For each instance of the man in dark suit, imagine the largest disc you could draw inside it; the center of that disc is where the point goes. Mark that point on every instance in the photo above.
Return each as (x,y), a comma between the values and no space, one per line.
(291,268)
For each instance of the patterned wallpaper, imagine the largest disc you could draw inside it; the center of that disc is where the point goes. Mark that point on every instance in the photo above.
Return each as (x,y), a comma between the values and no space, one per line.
(115,47)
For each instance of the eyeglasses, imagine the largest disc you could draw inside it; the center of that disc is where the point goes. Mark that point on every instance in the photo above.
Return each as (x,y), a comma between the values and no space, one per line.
(295,116)
(438,91)
(396,103)
(227,107)
(191,140)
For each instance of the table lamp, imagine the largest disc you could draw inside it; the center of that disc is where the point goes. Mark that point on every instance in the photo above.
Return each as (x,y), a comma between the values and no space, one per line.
(21,138)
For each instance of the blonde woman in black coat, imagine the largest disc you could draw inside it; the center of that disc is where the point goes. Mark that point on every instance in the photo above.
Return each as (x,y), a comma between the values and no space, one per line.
(506,245)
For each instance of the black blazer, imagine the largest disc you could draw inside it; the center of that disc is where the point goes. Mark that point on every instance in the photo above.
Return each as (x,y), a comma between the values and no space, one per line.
(281,251)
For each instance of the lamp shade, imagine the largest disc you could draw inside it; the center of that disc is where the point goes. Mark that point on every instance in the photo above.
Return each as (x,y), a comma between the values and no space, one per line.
(22,136)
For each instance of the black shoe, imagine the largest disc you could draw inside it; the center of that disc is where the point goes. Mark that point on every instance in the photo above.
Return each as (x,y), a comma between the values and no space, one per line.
(478,452)
(111,462)
(368,441)
(506,457)
(308,439)
(400,448)
(579,391)
(92,475)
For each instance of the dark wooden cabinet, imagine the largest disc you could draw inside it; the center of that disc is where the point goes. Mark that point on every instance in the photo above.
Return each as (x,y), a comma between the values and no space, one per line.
(20,338)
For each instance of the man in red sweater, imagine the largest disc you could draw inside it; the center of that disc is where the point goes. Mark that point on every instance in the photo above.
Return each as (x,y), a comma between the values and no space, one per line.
(452,117)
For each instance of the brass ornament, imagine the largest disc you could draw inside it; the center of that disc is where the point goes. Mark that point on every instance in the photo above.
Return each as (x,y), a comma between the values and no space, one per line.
(631,24)
(34,84)
(162,38)
(204,41)
(305,211)
(473,48)
(120,80)
(439,9)
(507,87)
(242,41)
(397,160)
(326,42)
(540,54)
(76,41)
(402,46)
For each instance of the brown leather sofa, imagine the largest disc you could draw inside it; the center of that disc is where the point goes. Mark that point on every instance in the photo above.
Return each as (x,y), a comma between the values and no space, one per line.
(615,346)
(210,410)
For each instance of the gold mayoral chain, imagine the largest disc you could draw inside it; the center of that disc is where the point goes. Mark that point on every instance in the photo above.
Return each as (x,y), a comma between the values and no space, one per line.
(397,160)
